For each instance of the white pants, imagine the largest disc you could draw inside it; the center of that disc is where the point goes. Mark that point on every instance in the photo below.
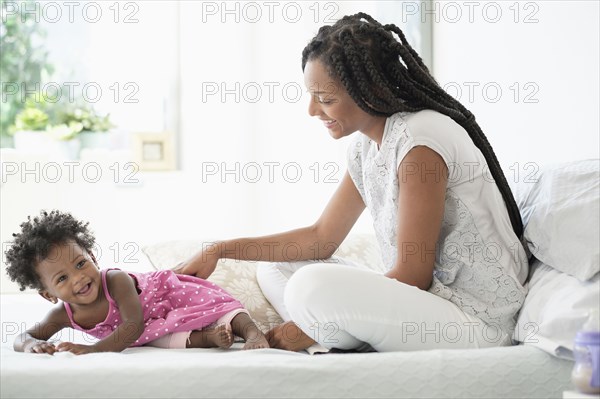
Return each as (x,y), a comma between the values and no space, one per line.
(343,305)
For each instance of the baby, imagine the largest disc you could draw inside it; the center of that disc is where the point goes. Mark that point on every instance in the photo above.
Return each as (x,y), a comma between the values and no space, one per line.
(53,254)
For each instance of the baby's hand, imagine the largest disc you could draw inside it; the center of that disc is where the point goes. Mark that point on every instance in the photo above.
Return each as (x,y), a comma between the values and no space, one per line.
(41,347)
(75,348)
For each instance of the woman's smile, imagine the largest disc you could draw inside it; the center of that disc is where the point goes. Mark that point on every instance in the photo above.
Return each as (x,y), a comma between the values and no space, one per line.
(329,123)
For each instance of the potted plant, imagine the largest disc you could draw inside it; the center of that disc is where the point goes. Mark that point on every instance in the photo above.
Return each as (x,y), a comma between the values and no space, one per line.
(29,127)
(34,132)
(65,141)
(95,128)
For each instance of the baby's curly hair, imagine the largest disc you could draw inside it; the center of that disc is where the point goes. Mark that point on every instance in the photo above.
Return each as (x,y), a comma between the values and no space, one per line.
(35,240)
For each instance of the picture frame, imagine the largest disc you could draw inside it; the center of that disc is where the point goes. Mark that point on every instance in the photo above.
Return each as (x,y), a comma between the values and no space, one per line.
(154,151)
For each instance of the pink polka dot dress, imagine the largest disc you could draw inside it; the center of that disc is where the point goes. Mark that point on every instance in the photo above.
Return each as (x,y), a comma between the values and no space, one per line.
(170,302)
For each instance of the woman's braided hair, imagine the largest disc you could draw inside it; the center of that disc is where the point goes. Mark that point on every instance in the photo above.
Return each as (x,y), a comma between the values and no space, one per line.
(384,76)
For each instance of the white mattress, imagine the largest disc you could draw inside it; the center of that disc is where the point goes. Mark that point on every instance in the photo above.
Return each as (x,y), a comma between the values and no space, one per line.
(513,372)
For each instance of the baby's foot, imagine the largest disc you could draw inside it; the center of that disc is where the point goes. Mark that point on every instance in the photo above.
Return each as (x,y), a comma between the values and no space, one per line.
(221,336)
(256,340)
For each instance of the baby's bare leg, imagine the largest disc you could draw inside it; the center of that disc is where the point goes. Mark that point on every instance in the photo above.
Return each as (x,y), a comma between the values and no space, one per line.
(215,337)
(243,326)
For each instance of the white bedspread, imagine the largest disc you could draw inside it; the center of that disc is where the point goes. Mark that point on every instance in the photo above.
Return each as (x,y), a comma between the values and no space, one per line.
(521,371)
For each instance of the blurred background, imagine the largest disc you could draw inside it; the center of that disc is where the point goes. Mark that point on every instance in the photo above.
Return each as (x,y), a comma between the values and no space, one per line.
(165,120)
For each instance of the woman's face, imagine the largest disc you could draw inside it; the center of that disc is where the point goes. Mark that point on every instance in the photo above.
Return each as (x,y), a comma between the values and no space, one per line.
(331,103)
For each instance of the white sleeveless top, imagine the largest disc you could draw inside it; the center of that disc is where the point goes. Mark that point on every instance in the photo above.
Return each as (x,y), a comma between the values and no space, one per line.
(480,263)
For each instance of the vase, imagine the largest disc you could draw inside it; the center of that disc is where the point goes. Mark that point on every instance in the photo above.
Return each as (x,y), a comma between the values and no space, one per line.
(38,142)
(32,141)
(95,140)
(65,150)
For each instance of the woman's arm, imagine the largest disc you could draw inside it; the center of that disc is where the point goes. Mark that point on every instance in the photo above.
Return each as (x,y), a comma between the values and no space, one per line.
(422,181)
(34,340)
(318,241)
(122,288)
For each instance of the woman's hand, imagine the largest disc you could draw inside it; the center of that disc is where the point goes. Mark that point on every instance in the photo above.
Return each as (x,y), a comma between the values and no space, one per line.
(288,336)
(202,264)
(77,349)
(41,347)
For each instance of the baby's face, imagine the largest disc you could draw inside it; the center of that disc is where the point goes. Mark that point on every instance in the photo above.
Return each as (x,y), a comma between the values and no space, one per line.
(69,273)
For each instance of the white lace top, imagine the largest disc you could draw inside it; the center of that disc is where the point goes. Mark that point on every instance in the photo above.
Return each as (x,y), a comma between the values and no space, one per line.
(480,264)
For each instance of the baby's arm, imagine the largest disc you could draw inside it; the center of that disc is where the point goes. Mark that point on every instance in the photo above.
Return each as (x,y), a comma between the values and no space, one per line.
(122,288)
(34,340)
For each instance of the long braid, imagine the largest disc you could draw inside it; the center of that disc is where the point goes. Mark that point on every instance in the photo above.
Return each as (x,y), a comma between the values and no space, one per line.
(364,55)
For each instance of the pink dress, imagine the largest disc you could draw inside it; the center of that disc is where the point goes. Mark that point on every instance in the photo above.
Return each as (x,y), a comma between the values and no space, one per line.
(170,302)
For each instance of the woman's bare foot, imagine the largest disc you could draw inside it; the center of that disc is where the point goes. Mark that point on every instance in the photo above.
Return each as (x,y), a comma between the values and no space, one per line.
(288,336)
(216,337)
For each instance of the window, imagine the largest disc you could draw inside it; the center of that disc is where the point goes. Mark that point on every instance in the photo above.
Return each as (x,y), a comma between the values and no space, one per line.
(204,70)
(119,58)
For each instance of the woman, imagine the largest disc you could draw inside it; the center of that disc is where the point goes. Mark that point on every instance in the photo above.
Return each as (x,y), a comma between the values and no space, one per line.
(444,216)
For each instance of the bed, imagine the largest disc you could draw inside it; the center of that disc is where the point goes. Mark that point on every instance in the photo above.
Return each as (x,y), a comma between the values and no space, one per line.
(513,372)
(539,366)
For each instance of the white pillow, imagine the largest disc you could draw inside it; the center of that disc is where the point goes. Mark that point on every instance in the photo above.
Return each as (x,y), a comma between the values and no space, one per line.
(363,249)
(555,308)
(561,211)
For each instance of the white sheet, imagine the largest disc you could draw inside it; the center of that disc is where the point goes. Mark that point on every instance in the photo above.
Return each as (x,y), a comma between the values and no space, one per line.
(511,372)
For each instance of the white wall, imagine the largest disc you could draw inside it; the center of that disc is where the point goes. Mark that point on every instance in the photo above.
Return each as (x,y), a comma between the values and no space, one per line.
(557,55)
(299,164)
